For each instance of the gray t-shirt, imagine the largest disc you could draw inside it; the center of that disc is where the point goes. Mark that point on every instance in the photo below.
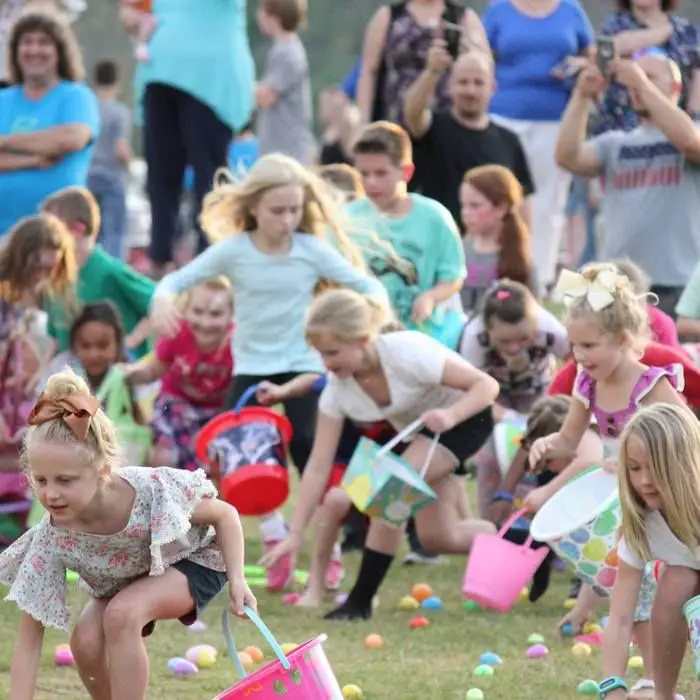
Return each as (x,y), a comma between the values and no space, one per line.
(285,127)
(651,205)
(115,124)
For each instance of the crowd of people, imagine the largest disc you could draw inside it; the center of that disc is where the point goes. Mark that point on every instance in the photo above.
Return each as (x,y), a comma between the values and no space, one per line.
(398,278)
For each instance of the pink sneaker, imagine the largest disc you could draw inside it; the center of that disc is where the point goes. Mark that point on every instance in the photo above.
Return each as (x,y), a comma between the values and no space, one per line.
(279,575)
(334,575)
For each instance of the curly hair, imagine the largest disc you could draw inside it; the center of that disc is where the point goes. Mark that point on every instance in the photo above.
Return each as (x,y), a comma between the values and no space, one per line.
(70,60)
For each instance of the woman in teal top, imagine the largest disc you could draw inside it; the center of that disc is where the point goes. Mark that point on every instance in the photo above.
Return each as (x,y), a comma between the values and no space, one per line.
(197,91)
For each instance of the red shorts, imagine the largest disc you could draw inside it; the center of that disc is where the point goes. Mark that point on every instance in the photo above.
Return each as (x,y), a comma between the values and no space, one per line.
(337,473)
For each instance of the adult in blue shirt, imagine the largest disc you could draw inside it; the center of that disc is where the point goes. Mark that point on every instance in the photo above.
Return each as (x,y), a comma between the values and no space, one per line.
(48,118)
(197,92)
(530,40)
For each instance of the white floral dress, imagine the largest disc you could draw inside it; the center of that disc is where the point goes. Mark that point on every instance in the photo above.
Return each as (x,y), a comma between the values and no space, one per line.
(158,534)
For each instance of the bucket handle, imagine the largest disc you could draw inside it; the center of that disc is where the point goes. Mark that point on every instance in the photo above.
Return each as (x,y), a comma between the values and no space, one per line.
(409,430)
(508,523)
(246,396)
(263,629)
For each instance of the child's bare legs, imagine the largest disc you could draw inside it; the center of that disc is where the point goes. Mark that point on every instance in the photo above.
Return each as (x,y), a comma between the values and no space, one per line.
(440,524)
(163,597)
(331,514)
(88,646)
(464,509)
(670,637)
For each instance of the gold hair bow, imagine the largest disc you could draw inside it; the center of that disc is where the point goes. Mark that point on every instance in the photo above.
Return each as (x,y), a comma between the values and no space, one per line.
(599,293)
(76,411)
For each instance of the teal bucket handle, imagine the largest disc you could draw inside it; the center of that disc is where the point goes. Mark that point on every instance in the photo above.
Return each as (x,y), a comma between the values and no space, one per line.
(264,631)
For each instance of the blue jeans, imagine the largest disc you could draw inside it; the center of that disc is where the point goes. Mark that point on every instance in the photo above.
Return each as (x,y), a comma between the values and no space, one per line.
(578,204)
(111,196)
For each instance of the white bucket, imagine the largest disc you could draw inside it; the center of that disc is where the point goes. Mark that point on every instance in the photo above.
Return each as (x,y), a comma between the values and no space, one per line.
(581,522)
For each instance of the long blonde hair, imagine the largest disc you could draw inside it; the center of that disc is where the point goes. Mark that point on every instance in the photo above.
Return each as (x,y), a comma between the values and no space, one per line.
(346,315)
(100,448)
(670,437)
(228,207)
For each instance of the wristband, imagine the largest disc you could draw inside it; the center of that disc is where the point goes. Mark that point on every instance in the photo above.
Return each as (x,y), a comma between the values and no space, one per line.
(502,496)
(609,684)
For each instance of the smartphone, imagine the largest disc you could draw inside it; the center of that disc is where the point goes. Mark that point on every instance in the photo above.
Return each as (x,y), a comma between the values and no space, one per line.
(605,54)
(452,34)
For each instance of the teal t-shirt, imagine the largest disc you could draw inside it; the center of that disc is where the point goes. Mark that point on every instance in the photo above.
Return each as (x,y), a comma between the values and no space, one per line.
(104,278)
(410,255)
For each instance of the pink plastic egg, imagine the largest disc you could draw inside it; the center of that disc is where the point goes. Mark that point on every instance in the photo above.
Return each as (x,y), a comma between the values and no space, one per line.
(63,656)
(537,651)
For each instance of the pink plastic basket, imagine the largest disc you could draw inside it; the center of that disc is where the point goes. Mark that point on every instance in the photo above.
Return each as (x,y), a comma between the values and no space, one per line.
(498,570)
(303,674)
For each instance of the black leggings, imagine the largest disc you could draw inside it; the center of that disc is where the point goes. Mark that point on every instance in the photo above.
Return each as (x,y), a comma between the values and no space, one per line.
(179,131)
(301,412)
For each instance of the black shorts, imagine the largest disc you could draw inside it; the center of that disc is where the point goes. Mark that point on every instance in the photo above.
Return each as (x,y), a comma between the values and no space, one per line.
(466,438)
(204,584)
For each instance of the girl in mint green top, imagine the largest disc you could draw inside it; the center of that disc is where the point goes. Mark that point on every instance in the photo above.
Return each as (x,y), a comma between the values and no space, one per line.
(274,270)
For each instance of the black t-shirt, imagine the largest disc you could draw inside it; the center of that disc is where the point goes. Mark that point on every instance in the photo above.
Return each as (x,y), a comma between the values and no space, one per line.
(448,149)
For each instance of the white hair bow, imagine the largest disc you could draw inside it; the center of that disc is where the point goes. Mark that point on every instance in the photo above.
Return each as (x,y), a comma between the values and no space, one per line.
(599,293)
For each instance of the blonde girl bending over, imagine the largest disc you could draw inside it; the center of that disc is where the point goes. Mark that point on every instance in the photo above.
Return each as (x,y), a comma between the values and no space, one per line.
(270,244)
(151,544)
(660,503)
(399,377)
(608,327)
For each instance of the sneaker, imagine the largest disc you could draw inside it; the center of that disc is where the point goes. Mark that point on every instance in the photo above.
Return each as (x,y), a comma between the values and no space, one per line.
(280,574)
(334,575)
(420,555)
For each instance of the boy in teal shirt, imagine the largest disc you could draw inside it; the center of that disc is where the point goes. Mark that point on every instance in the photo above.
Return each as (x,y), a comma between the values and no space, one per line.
(421,263)
(101,277)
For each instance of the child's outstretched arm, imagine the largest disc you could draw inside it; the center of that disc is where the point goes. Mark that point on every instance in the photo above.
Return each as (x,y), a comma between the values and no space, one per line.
(224,518)
(502,503)
(563,444)
(25,661)
(145,371)
(269,393)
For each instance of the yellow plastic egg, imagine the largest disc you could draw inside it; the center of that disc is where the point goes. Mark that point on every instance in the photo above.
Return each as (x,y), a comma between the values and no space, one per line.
(524,594)
(353,692)
(569,603)
(581,649)
(288,647)
(592,628)
(408,603)
(205,659)
(635,663)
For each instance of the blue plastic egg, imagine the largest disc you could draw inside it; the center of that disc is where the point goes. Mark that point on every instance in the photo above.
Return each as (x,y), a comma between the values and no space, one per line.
(432,603)
(488,658)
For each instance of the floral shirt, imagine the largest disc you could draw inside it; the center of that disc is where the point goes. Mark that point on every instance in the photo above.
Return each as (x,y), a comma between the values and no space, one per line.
(616,113)
(157,535)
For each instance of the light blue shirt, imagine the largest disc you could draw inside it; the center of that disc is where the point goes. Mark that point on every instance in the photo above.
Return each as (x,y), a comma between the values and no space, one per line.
(21,191)
(526,50)
(272,294)
(202,49)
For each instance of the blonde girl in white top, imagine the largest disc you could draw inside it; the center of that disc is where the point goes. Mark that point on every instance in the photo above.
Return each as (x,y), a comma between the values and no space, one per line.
(399,377)
(659,471)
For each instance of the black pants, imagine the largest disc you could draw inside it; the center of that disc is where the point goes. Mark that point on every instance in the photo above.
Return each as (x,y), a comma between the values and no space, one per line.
(301,412)
(668,298)
(179,131)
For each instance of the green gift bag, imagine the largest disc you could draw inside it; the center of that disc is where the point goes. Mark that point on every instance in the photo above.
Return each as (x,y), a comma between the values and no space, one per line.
(134,439)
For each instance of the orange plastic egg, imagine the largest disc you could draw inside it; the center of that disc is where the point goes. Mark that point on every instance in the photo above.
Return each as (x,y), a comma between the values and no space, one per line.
(373,641)
(255,653)
(421,591)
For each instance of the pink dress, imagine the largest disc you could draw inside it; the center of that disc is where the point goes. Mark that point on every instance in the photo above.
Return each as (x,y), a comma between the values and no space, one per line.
(157,535)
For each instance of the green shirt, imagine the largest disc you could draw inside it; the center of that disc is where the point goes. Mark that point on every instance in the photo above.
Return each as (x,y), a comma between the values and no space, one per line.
(105,278)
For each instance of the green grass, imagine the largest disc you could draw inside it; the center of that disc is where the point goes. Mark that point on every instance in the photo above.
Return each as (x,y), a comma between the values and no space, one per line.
(413,665)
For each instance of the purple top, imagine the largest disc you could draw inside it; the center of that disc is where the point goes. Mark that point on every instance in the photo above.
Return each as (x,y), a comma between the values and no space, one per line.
(611,423)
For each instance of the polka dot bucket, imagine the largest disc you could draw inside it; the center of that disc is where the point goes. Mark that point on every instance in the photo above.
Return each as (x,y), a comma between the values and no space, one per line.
(581,522)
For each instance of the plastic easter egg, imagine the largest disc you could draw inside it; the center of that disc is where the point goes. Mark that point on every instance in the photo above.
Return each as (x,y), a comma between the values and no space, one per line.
(196,626)
(352,692)
(524,595)
(63,656)
(569,603)
(604,621)
(471,605)
(408,603)
(421,591)
(567,630)
(205,659)
(482,671)
(194,652)
(419,623)
(373,641)
(537,651)
(288,647)
(341,598)
(291,598)
(636,663)
(490,659)
(475,694)
(581,649)
(588,687)
(535,639)
(72,577)
(592,628)
(182,667)
(255,653)
(432,603)
(246,660)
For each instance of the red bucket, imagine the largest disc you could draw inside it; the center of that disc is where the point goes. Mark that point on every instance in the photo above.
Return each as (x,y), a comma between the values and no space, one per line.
(247,451)
(303,674)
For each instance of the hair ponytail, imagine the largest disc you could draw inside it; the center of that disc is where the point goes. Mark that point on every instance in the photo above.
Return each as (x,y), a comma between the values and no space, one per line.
(515,259)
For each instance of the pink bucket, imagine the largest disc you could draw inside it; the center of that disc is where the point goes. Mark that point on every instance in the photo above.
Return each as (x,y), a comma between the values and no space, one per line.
(303,674)
(498,570)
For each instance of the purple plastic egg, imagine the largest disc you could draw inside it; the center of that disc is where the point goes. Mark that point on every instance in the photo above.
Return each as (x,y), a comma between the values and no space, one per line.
(182,667)
(197,626)
(63,656)
(537,651)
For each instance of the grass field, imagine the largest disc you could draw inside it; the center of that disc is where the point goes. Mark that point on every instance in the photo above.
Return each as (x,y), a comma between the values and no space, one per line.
(413,665)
